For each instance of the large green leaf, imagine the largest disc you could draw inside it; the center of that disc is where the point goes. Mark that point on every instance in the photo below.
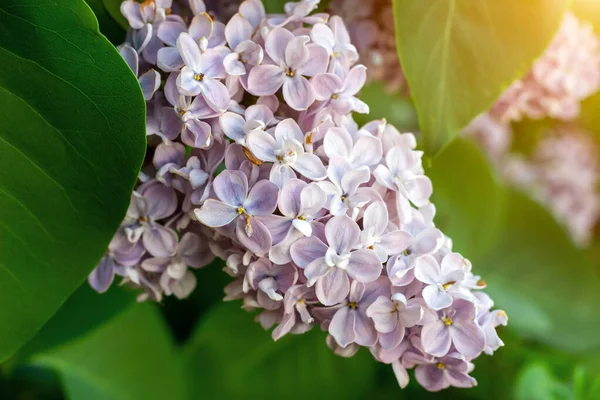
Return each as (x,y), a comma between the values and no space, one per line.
(72,139)
(458,56)
(549,288)
(468,198)
(131,357)
(232,357)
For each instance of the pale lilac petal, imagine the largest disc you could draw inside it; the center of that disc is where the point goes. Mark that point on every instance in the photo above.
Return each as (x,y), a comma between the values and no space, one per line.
(281,174)
(430,377)
(315,270)
(322,35)
(196,134)
(436,338)
(401,374)
(217,39)
(169,59)
(289,200)
(312,199)
(237,30)
(468,338)
(353,179)
(215,213)
(428,241)
(326,85)
(190,52)
(201,26)
(260,241)
(160,199)
(298,92)
(233,65)
(276,43)
(435,298)
(131,57)
(232,125)
(169,31)
(212,64)
(288,129)
(419,190)
(383,313)
(190,250)
(160,241)
(338,143)
(253,11)
(365,334)
(187,84)
(132,11)
(296,52)
(306,250)
(342,326)
(215,93)
(333,288)
(262,145)
(103,275)
(265,80)
(427,269)
(304,227)
(310,166)
(367,151)
(262,199)
(377,218)
(460,379)
(392,339)
(318,59)
(231,187)
(396,242)
(364,265)
(342,234)
(355,79)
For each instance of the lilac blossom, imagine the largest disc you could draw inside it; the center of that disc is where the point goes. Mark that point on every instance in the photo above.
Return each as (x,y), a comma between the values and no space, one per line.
(293,58)
(330,265)
(305,207)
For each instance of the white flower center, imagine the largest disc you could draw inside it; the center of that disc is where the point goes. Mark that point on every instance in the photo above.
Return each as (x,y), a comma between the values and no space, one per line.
(333,259)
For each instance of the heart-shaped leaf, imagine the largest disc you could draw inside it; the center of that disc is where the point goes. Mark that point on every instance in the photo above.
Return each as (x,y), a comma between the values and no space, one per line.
(72,140)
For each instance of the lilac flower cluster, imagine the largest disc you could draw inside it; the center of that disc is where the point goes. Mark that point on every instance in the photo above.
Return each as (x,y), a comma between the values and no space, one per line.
(562,172)
(256,160)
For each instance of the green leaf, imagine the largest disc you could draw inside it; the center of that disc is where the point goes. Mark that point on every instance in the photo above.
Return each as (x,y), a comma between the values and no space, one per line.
(72,140)
(131,357)
(536,382)
(232,357)
(468,199)
(108,26)
(548,288)
(395,108)
(84,311)
(113,8)
(459,56)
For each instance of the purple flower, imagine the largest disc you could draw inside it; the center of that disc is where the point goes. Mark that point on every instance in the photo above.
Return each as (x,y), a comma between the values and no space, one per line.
(366,152)
(300,204)
(154,202)
(489,321)
(339,94)
(329,265)
(271,281)
(236,127)
(435,374)
(392,316)
(202,73)
(377,234)
(443,281)
(454,326)
(336,40)
(404,174)
(149,80)
(234,202)
(286,151)
(351,324)
(295,302)
(343,187)
(293,59)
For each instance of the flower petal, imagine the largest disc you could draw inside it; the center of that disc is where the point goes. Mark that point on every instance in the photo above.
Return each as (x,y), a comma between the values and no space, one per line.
(342,234)
(215,213)
(436,339)
(306,250)
(231,187)
(298,92)
(265,80)
(333,288)
(364,265)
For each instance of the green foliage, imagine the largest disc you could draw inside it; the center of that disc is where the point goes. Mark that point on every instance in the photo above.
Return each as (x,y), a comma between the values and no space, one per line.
(109,27)
(547,286)
(536,382)
(113,8)
(459,56)
(232,357)
(84,311)
(468,198)
(395,108)
(72,140)
(130,357)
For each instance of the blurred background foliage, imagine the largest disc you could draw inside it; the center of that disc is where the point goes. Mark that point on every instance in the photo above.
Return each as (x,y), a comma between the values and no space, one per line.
(111,347)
